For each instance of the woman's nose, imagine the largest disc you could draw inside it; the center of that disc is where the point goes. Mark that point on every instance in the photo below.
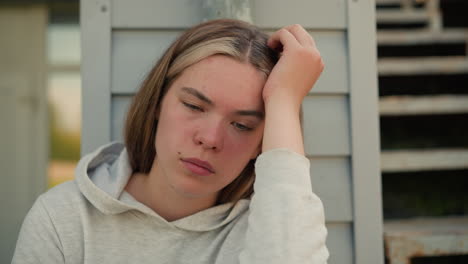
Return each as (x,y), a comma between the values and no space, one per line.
(210,136)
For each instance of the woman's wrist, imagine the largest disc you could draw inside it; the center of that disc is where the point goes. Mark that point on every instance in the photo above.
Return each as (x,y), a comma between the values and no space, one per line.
(284,99)
(282,126)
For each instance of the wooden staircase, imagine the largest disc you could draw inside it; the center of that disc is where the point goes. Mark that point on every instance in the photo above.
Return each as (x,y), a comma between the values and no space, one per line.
(426,15)
(404,24)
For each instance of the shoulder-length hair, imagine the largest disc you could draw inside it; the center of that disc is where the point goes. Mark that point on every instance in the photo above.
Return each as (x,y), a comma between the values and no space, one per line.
(236,39)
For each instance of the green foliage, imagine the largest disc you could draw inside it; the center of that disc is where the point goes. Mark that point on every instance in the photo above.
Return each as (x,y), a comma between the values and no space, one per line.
(64,145)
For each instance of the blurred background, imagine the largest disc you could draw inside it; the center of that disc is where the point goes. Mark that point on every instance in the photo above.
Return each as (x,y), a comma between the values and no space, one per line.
(40,105)
(63,91)
(423,99)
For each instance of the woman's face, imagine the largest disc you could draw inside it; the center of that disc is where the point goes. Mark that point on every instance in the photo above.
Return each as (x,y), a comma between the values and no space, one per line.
(210,125)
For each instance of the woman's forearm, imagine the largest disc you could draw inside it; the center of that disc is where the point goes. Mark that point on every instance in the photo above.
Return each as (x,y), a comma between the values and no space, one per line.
(291,79)
(282,126)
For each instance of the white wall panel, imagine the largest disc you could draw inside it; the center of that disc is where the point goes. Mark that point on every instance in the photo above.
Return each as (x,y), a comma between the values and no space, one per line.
(320,14)
(334,50)
(340,243)
(141,50)
(156,13)
(326,125)
(331,14)
(119,110)
(331,181)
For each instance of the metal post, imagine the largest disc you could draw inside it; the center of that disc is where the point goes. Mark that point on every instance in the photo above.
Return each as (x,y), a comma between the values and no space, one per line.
(435,22)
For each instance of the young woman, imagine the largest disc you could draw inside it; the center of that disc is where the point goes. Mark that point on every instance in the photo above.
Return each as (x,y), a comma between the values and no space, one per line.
(213,167)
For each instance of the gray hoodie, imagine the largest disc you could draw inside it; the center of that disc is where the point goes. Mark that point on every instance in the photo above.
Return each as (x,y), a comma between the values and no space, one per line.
(92,219)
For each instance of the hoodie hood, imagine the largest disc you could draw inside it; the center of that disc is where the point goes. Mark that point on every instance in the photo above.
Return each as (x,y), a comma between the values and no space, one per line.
(103,174)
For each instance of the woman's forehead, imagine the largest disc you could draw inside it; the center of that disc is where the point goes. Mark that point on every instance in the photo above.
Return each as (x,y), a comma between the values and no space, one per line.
(220,78)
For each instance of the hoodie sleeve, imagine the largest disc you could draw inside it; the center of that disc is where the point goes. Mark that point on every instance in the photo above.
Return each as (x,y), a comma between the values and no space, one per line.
(286,222)
(38,241)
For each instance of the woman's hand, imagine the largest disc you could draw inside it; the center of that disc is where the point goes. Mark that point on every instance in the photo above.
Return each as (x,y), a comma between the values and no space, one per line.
(297,70)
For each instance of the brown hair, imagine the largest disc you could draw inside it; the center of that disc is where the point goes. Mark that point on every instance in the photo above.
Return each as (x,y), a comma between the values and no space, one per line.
(236,39)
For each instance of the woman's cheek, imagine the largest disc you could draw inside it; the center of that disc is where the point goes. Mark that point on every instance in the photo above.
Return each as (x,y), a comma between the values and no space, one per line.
(244,145)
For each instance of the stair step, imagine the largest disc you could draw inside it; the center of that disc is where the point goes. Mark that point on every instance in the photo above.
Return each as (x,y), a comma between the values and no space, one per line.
(422,160)
(423,105)
(416,37)
(422,65)
(398,16)
(425,237)
(388,2)
(424,226)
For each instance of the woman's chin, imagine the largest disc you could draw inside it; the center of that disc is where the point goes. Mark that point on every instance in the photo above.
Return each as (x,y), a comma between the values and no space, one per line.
(191,190)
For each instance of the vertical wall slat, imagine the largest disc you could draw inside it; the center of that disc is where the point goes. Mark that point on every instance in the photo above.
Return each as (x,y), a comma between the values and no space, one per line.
(368,232)
(95,72)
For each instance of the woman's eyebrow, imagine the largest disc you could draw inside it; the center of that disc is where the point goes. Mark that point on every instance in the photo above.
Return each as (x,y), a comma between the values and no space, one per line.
(197,94)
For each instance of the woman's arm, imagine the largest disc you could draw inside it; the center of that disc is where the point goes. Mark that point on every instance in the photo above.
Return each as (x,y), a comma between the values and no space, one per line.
(286,222)
(293,76)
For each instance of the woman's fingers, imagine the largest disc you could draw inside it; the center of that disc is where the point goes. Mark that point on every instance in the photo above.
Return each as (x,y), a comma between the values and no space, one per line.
(298,68)
(282,40)
(292,35)
(301,35)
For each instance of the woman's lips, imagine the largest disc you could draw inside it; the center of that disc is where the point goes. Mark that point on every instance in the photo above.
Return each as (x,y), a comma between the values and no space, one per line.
(197,166)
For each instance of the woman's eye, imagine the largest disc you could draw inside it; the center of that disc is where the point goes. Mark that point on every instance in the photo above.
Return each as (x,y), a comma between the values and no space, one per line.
(241,127)
(193,107)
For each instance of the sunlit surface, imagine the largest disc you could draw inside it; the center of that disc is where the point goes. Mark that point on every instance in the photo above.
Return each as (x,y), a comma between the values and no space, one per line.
(64,99)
